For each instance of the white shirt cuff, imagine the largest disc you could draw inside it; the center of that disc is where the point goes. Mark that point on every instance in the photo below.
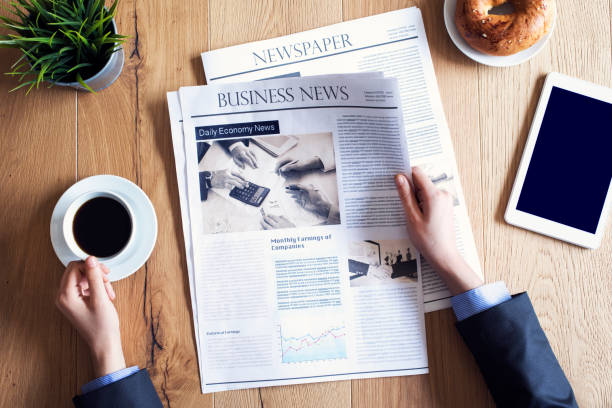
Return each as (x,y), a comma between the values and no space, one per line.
(479,299)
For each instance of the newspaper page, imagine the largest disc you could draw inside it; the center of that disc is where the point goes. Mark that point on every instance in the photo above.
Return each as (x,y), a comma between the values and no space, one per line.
(176,126)
(303,271)
(394,43)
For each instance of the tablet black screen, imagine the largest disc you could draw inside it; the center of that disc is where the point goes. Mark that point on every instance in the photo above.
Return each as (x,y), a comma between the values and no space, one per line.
(571,167)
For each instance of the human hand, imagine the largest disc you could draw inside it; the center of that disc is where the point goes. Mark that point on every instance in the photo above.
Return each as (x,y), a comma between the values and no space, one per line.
(85,297)
(227,179)
(311,198)
(242,156)
(269,222)
(429,215)
(289,164)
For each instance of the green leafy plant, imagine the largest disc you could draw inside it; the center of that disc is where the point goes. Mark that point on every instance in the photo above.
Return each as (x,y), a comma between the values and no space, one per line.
(61,40)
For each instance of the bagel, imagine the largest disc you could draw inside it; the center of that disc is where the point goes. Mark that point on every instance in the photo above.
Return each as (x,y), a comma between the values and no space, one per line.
(504,34)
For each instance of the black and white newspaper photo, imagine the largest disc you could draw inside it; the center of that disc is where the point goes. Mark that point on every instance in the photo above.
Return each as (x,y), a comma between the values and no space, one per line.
(268,182)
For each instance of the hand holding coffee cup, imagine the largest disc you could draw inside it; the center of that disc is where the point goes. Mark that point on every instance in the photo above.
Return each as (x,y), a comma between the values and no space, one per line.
(85,297)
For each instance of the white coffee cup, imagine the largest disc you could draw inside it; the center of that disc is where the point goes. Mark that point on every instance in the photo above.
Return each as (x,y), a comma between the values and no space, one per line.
(67,223)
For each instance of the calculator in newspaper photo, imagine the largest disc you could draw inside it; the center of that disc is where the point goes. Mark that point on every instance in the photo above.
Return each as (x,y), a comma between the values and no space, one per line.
(252,195)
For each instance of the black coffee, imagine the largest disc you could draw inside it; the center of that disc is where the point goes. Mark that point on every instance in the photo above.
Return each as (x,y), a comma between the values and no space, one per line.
(102,227)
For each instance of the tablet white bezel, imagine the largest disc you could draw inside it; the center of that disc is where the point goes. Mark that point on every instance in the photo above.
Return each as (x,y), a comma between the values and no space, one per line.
(276,151)
(539,224)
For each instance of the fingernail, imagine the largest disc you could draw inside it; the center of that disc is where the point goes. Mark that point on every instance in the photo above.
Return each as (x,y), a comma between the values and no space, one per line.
(92,261)
(402,180)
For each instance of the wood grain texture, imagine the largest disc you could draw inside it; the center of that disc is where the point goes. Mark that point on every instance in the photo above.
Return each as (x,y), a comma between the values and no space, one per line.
(171,356)
(38,163)
(124,130)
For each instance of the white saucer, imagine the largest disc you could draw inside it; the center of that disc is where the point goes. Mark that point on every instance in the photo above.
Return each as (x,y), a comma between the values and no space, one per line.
(492,60)
(144,225)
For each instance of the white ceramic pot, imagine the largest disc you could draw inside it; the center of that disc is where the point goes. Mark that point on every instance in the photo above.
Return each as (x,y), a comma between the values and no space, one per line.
(107,75)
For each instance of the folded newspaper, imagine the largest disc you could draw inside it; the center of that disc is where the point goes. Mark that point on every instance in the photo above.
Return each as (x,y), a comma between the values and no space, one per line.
(299,263)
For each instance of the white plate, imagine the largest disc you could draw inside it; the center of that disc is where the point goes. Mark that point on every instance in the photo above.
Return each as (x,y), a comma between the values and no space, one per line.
(492,60)
(144,224)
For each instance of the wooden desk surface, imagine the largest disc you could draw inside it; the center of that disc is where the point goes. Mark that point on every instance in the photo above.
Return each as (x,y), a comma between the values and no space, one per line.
(55,137)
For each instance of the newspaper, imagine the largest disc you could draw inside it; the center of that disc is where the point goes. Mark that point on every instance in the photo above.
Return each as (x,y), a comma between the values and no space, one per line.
(176,124)
(394,43)
(316,281)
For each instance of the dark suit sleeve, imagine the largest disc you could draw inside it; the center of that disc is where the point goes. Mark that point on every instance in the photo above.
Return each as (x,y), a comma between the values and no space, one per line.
(515,357)
(202,149)
(203,187)
(134,391)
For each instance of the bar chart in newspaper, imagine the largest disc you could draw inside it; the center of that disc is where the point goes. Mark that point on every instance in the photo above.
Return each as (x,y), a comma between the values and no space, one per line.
(315,339)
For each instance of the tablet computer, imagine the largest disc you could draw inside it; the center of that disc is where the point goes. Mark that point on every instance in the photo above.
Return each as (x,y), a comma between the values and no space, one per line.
(563,187)
(276,145)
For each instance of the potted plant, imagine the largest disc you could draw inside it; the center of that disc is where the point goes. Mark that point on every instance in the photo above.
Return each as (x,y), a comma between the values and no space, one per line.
(64,42)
